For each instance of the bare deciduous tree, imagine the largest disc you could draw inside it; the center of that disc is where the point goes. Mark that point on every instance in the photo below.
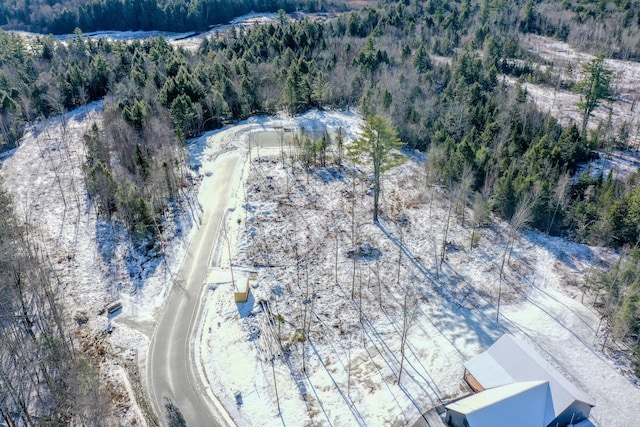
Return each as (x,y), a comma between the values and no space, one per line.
(520,219)
(42,375)
(560,197)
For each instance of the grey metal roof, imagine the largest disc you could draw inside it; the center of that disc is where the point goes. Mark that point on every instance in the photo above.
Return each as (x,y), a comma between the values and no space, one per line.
(535,393)
(511,360)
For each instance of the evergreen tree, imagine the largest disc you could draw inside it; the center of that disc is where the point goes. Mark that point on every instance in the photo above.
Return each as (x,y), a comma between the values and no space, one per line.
(185,116)
(421,60)
(595,87)
(380,144)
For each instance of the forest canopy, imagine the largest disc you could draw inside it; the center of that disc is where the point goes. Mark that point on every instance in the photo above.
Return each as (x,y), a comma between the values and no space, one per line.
(64,16)
(380,59)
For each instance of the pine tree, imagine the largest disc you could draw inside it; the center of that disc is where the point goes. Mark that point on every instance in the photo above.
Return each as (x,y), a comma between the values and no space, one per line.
(380,143)
(594,87)
(421,60)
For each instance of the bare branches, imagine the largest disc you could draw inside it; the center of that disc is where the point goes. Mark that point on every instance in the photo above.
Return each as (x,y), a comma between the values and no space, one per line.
(41,374)
(521,218)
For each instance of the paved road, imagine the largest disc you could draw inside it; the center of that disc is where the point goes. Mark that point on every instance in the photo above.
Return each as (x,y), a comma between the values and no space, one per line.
(169,361)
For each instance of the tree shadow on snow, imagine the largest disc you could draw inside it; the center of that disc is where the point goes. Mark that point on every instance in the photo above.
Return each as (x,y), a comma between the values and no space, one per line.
(195,150)
(463,327)
(105,240)
(8,153)
(140,261)
(182,221)
(329,174)
(565,251)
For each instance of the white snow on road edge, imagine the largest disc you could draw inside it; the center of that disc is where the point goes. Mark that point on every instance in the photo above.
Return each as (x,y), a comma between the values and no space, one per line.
(566,337)
(551,317)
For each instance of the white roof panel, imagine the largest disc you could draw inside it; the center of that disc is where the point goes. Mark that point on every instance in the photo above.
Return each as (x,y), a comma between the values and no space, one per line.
(490,372)
(511,360)
(528,403)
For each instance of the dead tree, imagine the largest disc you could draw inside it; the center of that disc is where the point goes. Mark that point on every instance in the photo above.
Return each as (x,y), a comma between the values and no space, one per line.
(560,197)
(520,219)
(464,187)
(434,157)
(281,140)
(349,367)
(336,252)
(443,252)
(275,383)
(481,214)
(339,147)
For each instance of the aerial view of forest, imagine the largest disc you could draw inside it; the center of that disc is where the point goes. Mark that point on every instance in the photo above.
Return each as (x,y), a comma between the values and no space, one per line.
(399,183)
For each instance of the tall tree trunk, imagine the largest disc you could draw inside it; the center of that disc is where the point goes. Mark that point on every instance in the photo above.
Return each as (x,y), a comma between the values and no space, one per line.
(504,258)
(446,233)
(376,194)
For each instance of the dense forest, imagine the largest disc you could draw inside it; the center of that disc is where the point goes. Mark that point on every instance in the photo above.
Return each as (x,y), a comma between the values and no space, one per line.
(611,28)
(431,67)
(378,59)
(63,17)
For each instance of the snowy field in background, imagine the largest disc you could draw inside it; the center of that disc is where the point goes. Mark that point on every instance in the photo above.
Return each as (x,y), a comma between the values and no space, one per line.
(189,40)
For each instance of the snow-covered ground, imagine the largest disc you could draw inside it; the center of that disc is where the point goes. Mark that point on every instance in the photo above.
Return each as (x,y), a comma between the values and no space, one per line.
(355,322)
(128,35)
(244,21)
(95,262)
(561,104)
(280,212)
(567,62)
(188,40)
(295,231)
(620,163)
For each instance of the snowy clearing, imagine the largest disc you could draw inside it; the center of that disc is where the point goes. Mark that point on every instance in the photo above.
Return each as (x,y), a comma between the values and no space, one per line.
(295,231)
(454,306)
(245,21)
(129,35)
(566,62)
(188,40)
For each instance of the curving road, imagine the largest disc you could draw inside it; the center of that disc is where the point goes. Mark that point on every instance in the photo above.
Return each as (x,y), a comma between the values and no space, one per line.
(170,371)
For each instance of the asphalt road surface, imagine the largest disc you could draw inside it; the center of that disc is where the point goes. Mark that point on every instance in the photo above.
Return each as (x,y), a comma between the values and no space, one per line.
(169,361)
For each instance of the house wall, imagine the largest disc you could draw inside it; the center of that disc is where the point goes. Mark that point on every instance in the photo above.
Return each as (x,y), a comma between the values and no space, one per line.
(472,382)
(578,411)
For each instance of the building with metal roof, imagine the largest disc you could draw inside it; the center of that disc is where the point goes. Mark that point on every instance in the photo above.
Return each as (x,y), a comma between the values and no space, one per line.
(525,404)
(504,375)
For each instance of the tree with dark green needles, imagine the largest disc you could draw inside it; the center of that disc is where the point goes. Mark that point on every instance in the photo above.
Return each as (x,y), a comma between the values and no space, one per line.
(594,87)
(379,144)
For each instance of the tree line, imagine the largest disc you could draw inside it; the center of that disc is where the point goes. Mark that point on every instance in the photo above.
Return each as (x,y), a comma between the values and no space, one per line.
(63,17)
(379,58)
(603,27)
(617,292)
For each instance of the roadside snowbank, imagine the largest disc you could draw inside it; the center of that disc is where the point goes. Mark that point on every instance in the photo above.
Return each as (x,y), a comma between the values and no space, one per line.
(295,230)
(454,316)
